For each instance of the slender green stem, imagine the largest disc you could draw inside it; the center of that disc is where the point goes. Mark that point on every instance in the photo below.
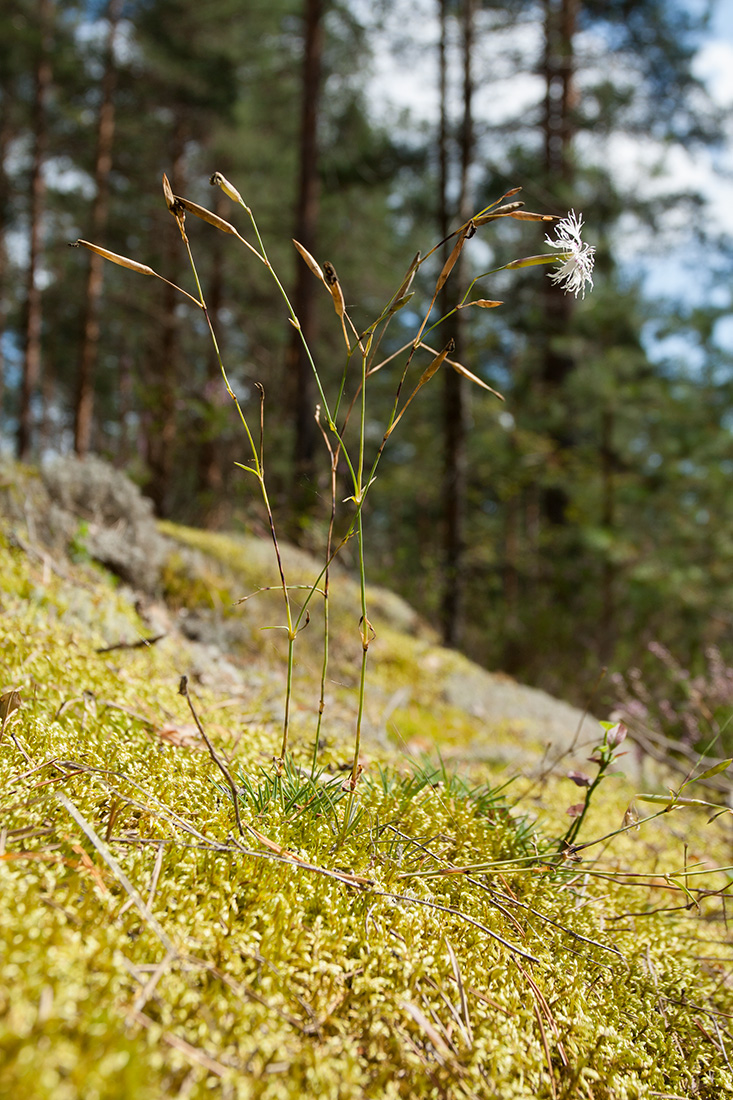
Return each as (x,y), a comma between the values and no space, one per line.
(342,387)
(294,319)
(367,345)
(362,430)
(258,470)
(326,593)
(288,693)
(362,684)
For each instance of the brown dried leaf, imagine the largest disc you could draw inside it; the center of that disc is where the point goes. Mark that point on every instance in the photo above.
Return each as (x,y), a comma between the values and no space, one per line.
(484,303)
(9,702)
(274,846)
(431,369)
(460,369)
(184,736)
(407,281)
(426,375)
(450,263)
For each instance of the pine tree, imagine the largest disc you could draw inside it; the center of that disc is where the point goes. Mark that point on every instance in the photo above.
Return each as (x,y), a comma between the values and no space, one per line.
(454,415)
(103,166)
(42,77)
(298,367)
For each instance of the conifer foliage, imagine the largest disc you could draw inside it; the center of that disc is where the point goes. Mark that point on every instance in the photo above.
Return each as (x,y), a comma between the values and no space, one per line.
(585,519)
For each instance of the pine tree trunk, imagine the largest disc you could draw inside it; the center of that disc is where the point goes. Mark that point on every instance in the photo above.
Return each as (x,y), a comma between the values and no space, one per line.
(4,277)
(83,413)
(299,370)
(608,521)
(454,414)
(33,305)
(209,468)
(164,371)
(558,129)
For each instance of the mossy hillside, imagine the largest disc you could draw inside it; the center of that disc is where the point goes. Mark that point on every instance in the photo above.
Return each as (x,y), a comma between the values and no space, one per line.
(421,696)
(239,574)
(92,513)
(248,969)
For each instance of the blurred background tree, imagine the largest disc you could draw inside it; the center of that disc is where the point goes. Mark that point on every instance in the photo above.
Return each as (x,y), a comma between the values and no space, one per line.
(549,536)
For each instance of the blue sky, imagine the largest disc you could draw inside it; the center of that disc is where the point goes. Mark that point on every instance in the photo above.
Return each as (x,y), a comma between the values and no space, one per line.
(672,265)
(723,19)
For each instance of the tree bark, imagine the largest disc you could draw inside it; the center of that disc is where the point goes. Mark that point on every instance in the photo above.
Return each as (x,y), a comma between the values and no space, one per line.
(5,135)
(608,521)
(33,305)
(299,369)
(209,468)
(84,408)
(164,372)
(454,414)
(558,131)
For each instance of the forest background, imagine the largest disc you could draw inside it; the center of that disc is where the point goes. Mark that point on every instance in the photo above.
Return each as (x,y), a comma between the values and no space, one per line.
(555,533)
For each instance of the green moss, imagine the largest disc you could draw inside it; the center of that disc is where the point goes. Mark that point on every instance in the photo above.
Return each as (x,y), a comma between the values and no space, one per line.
(354,970)
(429,729)
(225,551)
(184,587)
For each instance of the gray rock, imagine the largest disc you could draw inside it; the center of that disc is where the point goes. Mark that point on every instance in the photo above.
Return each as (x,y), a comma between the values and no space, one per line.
(116,523)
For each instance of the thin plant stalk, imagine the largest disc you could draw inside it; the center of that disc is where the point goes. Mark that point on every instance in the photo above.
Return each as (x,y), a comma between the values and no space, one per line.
(367,345)
(258,470)
(293,316)
(333,454)
(365,628)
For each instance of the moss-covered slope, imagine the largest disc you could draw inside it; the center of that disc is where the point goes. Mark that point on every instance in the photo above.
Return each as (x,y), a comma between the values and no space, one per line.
(436,947)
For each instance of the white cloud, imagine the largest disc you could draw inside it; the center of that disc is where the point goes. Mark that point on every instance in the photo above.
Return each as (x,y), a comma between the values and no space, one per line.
(714,66)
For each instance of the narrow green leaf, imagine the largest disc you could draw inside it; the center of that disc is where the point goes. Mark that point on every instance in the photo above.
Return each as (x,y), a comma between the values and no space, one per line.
(716,769)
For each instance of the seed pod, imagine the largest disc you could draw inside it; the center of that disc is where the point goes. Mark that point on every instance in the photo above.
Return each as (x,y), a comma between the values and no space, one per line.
(205,215)
(332,281)
(533,261)
(528,216)
(170,199)
(175,206)
(310,261)
(113,257)
(399,303)
(217,180)
(498,212)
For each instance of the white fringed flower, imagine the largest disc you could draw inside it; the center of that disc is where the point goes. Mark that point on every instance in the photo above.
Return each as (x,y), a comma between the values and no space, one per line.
(576,258)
